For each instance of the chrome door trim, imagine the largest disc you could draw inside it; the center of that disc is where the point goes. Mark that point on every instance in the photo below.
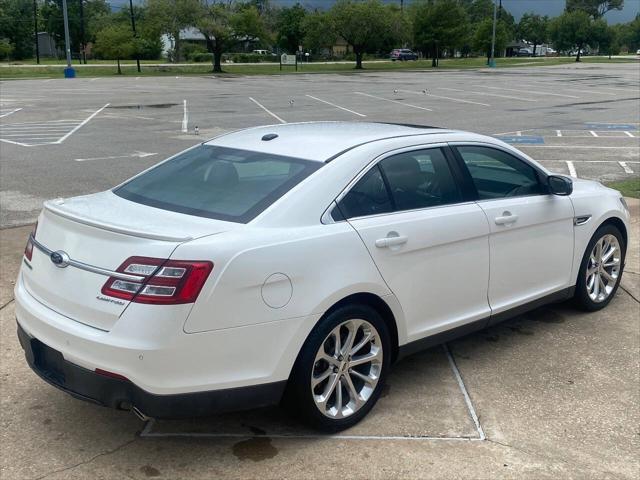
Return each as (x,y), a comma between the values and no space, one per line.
(85,266)
(581,220)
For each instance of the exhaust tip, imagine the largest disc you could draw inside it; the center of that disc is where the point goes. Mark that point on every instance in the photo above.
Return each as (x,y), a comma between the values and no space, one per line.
(140,415)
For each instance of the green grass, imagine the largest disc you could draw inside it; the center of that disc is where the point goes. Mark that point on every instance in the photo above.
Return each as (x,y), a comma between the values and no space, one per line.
(628,188)
(93,69)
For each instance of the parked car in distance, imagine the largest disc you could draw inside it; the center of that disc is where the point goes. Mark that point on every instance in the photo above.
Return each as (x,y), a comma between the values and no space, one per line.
(295,263)
(402,54)
(525,52)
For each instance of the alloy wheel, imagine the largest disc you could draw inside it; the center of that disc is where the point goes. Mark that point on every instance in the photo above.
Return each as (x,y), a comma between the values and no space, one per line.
(603,268)
(346,368)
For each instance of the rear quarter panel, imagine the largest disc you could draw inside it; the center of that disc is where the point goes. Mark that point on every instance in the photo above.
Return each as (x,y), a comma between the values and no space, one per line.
(314,266)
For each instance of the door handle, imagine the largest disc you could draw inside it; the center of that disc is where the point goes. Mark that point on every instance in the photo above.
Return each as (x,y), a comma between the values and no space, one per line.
(391,241)
(506,219)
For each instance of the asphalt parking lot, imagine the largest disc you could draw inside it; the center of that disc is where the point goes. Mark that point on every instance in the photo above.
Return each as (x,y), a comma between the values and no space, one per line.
(552,394)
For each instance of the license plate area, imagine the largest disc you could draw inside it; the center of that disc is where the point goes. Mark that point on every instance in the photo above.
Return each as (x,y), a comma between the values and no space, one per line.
(48,361)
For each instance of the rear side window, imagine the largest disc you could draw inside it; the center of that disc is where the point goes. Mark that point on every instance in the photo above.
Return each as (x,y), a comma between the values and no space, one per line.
(420,179)
(369,196)
(217,182)
(497,174)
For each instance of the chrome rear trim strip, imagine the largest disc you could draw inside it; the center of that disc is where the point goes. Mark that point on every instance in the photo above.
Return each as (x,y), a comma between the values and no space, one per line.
(86,267)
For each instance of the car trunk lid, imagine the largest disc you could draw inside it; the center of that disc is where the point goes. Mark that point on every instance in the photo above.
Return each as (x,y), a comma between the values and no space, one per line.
(101,231)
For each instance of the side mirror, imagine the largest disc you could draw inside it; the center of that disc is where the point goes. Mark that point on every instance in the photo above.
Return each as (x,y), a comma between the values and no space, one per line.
(559,185)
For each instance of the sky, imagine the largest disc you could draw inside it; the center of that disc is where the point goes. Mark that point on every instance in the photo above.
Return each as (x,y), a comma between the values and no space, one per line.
(516,7)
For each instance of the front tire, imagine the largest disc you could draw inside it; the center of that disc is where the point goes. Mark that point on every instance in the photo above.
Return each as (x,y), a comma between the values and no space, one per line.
(340,371)
(601,269)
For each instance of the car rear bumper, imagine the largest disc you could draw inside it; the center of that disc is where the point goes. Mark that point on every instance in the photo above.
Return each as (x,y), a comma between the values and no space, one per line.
(161,361)
(84,384)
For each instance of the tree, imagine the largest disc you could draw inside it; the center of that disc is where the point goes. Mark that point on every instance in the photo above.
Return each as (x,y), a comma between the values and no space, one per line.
(115,41)
(289,23)
(438,25)
(608,40)
(594,8)
(629,34)
(483,36)
(534,29)
(478,10)
(572,30)
(16,28)
(319,31)
(225,24)
(171,16)
(95,14)
(364,25)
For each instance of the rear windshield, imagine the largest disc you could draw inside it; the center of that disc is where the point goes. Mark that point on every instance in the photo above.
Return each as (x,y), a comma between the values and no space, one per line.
(216,182)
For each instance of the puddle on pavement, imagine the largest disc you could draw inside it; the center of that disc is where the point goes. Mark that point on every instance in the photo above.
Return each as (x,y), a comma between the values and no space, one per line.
(256,449)
(422,399)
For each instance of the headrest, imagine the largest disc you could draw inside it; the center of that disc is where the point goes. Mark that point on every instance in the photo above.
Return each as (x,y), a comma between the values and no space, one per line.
(221,174)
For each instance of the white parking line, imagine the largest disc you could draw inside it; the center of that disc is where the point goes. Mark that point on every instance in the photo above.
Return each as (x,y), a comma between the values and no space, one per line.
(55,134)
(629,134)
(337,106)
(513,132)
(572,169)
(564,89)
(489,94)
(147,431)
(130,155)
(23,130)
(626,167)
(15,143)
(267,110)
(465,394)
(49,122)
(594,134)
(185,117)
(532,91)
(83,123)
(577,146)
(394,101)
(9,113)
(585,161)
(445,98)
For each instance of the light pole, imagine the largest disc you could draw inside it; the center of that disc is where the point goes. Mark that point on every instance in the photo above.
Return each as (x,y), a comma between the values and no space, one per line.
(135,35)
(35,30)
(83,47)
(69,72)
(492,60)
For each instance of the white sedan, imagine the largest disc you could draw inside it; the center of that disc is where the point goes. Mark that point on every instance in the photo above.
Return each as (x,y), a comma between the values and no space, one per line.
(296,262)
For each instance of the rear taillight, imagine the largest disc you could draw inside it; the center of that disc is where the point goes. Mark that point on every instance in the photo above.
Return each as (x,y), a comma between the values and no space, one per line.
(28,250)
(165,282)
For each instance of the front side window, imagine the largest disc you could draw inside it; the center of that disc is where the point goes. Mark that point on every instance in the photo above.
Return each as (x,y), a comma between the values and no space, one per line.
(369,196)
(497,174)
(217,182)
(420,179)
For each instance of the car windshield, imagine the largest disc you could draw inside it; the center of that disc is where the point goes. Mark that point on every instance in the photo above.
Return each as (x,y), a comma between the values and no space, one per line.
(217,182)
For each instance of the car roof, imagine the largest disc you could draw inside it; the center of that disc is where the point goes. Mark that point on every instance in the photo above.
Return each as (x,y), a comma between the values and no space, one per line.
(319,141)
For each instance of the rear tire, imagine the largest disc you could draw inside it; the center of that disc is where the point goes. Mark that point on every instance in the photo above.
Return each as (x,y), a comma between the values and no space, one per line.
(336,382)
(601,269)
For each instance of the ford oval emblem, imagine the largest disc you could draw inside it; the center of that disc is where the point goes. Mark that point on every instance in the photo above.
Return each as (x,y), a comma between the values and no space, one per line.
(60,259)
